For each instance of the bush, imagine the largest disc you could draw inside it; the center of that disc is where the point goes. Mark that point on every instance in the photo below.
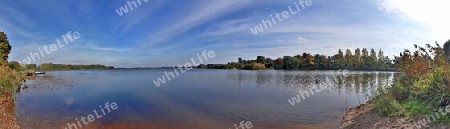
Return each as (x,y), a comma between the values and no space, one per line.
(384,103)
(9,78)
(255,66)
(424,84)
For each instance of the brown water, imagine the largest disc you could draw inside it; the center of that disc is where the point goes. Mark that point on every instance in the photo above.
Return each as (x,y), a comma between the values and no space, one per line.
(197,99)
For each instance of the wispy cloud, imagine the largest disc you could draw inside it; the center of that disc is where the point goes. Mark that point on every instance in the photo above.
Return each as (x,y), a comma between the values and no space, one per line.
(236,26)
(204,12)
(107,49)
(135,17)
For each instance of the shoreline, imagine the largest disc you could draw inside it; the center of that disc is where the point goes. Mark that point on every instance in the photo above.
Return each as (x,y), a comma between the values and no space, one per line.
(8,119)
(362,116)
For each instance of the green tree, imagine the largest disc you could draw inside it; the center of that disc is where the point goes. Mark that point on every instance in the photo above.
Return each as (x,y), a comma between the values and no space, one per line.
(381,59)
(373,58)
(46,67)
(365,58)
(15,65)
(339,59)
(291,63)
(261,60)
(5,47)
(31,66)
(269,63)
(357,58)
(447,50)
(348,58)
(300,59)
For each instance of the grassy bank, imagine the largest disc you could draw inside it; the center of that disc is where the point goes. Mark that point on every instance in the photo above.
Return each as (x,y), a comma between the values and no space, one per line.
(9,80)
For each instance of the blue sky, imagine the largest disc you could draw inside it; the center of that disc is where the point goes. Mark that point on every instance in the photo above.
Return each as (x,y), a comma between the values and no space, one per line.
(169,32)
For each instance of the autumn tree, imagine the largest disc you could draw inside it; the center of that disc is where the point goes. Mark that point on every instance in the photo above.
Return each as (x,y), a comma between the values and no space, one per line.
(310,59)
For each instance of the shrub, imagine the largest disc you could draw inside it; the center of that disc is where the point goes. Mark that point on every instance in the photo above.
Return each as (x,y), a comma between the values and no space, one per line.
(386,105)
(9,78)
(255,66)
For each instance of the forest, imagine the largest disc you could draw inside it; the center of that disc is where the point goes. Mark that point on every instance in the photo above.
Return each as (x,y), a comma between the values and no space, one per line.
(358,59)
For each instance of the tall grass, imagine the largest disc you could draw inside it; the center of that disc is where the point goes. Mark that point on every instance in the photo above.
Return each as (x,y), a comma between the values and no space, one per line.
(9,79)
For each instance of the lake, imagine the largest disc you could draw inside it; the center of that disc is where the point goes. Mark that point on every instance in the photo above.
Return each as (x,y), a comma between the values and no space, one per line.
(197,99)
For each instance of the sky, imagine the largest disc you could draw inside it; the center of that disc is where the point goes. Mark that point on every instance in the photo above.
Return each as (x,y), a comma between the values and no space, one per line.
(171,32)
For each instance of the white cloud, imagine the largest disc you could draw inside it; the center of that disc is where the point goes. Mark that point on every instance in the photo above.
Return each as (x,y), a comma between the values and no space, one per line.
(429,12)
(302,40)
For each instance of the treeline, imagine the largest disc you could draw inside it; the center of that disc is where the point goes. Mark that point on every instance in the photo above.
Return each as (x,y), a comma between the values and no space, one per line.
(359,59)
(52,67)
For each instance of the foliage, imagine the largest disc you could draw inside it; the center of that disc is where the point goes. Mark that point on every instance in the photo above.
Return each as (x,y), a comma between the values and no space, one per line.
(32,67)
(16,66)
(261,59)
(447,50)
(360,60)
(255,66)
(424,84)
(416,107)
(5,47)
(51,66)
(291,63)
(387,105)
(9,78)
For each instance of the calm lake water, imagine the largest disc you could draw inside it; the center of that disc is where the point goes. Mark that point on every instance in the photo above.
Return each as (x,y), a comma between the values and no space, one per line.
(197,99)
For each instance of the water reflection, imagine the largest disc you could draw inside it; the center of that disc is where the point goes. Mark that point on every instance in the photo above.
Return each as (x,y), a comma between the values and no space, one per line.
(197,99)
(44,83)
(355,82)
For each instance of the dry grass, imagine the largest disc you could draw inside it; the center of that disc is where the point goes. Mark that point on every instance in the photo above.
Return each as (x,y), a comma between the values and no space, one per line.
(9,80)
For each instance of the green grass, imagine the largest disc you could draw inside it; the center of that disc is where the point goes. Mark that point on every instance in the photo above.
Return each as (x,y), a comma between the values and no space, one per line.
(416,107)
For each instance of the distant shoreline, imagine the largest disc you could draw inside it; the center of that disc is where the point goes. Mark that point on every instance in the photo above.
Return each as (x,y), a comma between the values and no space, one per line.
(362,70)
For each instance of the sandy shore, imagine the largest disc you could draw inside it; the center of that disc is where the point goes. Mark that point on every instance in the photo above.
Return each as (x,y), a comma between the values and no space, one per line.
(7,118)
(362,117)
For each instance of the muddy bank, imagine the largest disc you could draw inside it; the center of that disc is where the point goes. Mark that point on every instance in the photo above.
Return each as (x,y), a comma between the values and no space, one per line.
(362,117)
(7,117)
